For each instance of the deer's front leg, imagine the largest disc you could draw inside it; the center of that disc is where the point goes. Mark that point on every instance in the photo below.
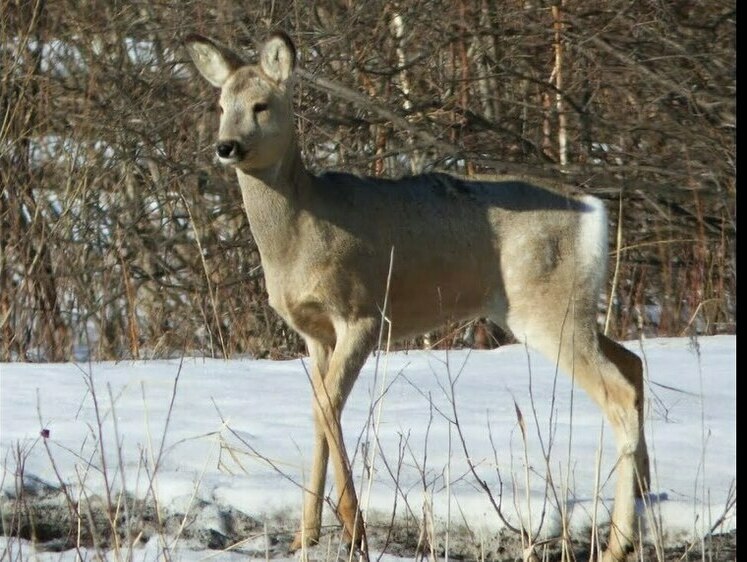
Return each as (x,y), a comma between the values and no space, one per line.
(311,518)
(355,340)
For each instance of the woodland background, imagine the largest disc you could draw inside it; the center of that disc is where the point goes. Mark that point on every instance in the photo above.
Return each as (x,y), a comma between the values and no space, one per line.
(121,237)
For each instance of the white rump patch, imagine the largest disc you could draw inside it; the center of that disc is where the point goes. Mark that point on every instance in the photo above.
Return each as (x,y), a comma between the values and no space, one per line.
(592,238)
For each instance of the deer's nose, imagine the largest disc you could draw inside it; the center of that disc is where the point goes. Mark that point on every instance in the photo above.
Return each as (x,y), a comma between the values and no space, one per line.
(227,149)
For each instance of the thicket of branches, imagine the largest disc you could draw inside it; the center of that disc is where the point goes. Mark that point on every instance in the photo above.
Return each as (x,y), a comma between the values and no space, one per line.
(119,232)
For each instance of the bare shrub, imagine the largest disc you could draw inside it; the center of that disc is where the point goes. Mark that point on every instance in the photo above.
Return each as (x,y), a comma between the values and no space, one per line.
(119,236)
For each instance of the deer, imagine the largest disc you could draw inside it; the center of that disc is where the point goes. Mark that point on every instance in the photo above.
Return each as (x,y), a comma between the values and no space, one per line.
(343,253)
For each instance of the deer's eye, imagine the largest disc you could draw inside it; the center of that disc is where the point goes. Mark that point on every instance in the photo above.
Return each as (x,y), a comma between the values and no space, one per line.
(260,107)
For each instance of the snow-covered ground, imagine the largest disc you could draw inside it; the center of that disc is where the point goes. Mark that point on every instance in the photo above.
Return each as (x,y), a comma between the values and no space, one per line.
(237,434)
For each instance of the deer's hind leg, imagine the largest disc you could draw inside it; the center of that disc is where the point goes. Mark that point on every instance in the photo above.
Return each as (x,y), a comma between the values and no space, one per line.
(631,367)
(613,379)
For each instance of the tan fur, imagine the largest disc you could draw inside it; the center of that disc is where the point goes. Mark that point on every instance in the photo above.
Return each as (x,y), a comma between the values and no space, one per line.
(529,258)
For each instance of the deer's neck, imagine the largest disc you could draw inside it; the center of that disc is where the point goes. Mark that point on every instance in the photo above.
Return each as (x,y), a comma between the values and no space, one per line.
(273,198)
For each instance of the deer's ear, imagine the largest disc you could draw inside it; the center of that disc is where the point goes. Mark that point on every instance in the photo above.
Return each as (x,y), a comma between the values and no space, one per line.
(215,62)
(277,57)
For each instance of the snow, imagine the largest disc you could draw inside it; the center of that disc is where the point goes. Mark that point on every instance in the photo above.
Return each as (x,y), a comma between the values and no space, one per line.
(238,433)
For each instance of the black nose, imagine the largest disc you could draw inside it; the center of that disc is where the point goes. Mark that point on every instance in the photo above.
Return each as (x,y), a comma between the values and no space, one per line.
(227,149)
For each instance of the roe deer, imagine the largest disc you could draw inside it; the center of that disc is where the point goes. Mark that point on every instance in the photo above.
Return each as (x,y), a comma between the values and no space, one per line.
(529,258)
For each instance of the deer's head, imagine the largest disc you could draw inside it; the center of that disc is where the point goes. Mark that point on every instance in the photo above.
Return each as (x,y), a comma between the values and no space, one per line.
(256,123)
